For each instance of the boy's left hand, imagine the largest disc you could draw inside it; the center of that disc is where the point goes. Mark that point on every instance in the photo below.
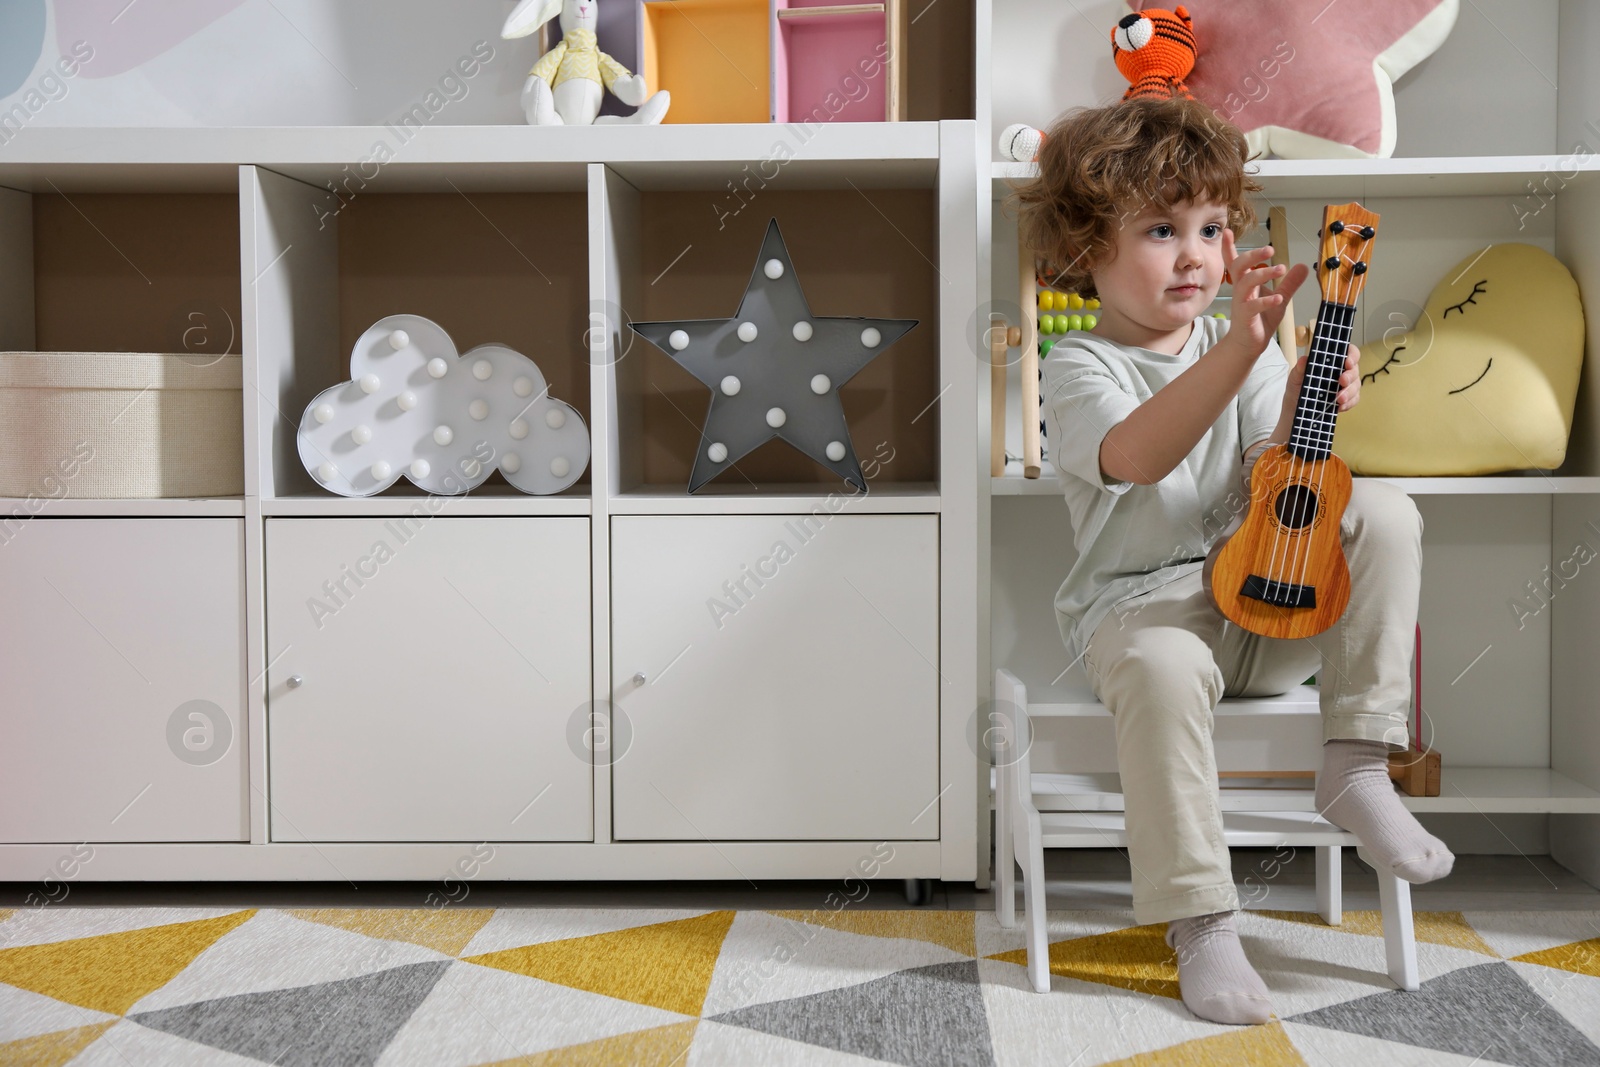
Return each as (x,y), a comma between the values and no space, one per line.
(1349,382)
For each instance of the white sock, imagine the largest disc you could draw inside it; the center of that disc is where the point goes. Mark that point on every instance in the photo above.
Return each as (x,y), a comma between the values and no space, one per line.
(1355,793)
(1217,982)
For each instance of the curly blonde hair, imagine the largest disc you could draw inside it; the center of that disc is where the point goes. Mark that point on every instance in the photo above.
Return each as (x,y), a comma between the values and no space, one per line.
(1099,167)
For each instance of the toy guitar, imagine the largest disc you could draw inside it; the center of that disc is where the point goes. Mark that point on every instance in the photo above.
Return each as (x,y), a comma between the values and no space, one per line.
(1282,572)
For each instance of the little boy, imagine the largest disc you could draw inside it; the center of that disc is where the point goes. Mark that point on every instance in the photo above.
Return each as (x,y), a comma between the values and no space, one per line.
(1155,418)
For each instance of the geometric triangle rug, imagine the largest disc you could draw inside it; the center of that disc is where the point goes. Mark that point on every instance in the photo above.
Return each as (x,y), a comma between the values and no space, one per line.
(451,987)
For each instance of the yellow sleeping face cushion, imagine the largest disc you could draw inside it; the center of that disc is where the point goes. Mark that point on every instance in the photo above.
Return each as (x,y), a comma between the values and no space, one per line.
(1485,381)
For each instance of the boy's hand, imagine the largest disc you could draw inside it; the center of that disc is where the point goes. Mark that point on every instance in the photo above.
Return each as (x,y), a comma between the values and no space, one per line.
(1256,309)
(1349,383)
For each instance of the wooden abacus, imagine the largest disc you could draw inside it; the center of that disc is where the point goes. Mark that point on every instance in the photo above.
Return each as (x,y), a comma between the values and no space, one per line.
(1027,337)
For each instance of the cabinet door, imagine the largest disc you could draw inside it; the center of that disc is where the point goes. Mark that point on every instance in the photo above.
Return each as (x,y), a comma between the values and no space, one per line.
(122,680)
(791,687)
(426,671)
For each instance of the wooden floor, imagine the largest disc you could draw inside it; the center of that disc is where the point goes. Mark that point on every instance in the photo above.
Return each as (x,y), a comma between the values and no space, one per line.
(1077,879)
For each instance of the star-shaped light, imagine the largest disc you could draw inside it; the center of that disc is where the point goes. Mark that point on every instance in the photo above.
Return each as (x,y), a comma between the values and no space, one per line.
(1309,80)
(774,369)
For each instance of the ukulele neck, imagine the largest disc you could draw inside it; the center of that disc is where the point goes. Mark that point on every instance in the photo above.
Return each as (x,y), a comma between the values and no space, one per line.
(1311,432)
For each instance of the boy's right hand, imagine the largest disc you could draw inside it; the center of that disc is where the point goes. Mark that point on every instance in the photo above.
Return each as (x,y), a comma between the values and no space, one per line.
(1257,311)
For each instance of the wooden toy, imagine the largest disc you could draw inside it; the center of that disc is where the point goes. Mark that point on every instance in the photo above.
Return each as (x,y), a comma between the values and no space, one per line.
(1278,222)
(1416,771)
(1035,296)
(1028,300)
(800,61)
(839,60)
(1275,575)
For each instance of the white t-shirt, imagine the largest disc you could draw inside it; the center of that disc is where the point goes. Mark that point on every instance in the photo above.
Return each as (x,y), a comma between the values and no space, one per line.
(1132,538)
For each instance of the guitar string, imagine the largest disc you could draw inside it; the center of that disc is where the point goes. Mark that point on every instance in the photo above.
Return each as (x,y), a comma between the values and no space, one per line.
(1280,538)
(1335,371)
(1322,431)
(1342,355)
(1297,566)
(1310,377)
(1296,463)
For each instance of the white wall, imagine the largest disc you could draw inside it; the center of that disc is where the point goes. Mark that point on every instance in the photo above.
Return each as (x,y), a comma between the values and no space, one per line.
(258,62)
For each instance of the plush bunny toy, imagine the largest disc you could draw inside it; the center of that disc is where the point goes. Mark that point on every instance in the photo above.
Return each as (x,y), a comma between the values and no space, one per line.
(564,87)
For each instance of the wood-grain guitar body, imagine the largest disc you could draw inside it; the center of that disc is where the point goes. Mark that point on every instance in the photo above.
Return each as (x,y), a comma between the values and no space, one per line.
(1282,571)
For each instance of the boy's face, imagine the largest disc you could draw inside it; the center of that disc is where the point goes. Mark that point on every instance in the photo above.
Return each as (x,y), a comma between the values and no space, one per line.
(1166,270)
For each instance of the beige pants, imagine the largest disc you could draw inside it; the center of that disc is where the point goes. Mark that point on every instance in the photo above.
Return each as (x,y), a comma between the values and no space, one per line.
(1160,660)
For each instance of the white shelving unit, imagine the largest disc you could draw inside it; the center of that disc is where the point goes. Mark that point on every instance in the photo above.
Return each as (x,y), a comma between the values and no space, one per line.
(524,234)
(1511,698)
(1014,483)
(385,716)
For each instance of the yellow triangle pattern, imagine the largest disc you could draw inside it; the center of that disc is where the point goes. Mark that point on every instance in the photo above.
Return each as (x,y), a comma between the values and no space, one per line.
(446,930)
(1582,957)
(662,1046)
(1448,928)
(954,930)
(664,965)
(49,1050)
(110,972)
(1136,958)
(1259,1046)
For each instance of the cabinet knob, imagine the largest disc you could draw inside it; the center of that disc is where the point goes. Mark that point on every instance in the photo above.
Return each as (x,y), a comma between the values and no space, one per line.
(639,678)
(296,681)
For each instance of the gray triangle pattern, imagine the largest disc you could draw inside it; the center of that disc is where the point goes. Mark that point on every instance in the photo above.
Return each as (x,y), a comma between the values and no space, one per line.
(922,1017)
(1484,1011)
(349,1021)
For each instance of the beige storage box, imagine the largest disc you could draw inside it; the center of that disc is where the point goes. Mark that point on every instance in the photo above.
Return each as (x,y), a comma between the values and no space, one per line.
(121,424)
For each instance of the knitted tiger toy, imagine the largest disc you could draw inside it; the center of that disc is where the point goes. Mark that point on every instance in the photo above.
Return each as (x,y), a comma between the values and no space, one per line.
(1154,49)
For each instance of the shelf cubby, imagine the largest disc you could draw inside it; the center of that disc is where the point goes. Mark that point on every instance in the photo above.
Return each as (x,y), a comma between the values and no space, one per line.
(1502,660)
(1422,237)
(816,61)
(121,272)
(712,55)
(687,253)
(92,262)
(1508,608)
(497,265)
(838,59)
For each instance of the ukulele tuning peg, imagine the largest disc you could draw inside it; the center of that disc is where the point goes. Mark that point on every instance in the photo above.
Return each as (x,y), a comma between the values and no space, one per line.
(1359,268)
(1335,227)
(1367,232)
(1332,263)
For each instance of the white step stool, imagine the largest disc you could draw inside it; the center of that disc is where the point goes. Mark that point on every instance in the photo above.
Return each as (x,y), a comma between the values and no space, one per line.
(1023,832)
